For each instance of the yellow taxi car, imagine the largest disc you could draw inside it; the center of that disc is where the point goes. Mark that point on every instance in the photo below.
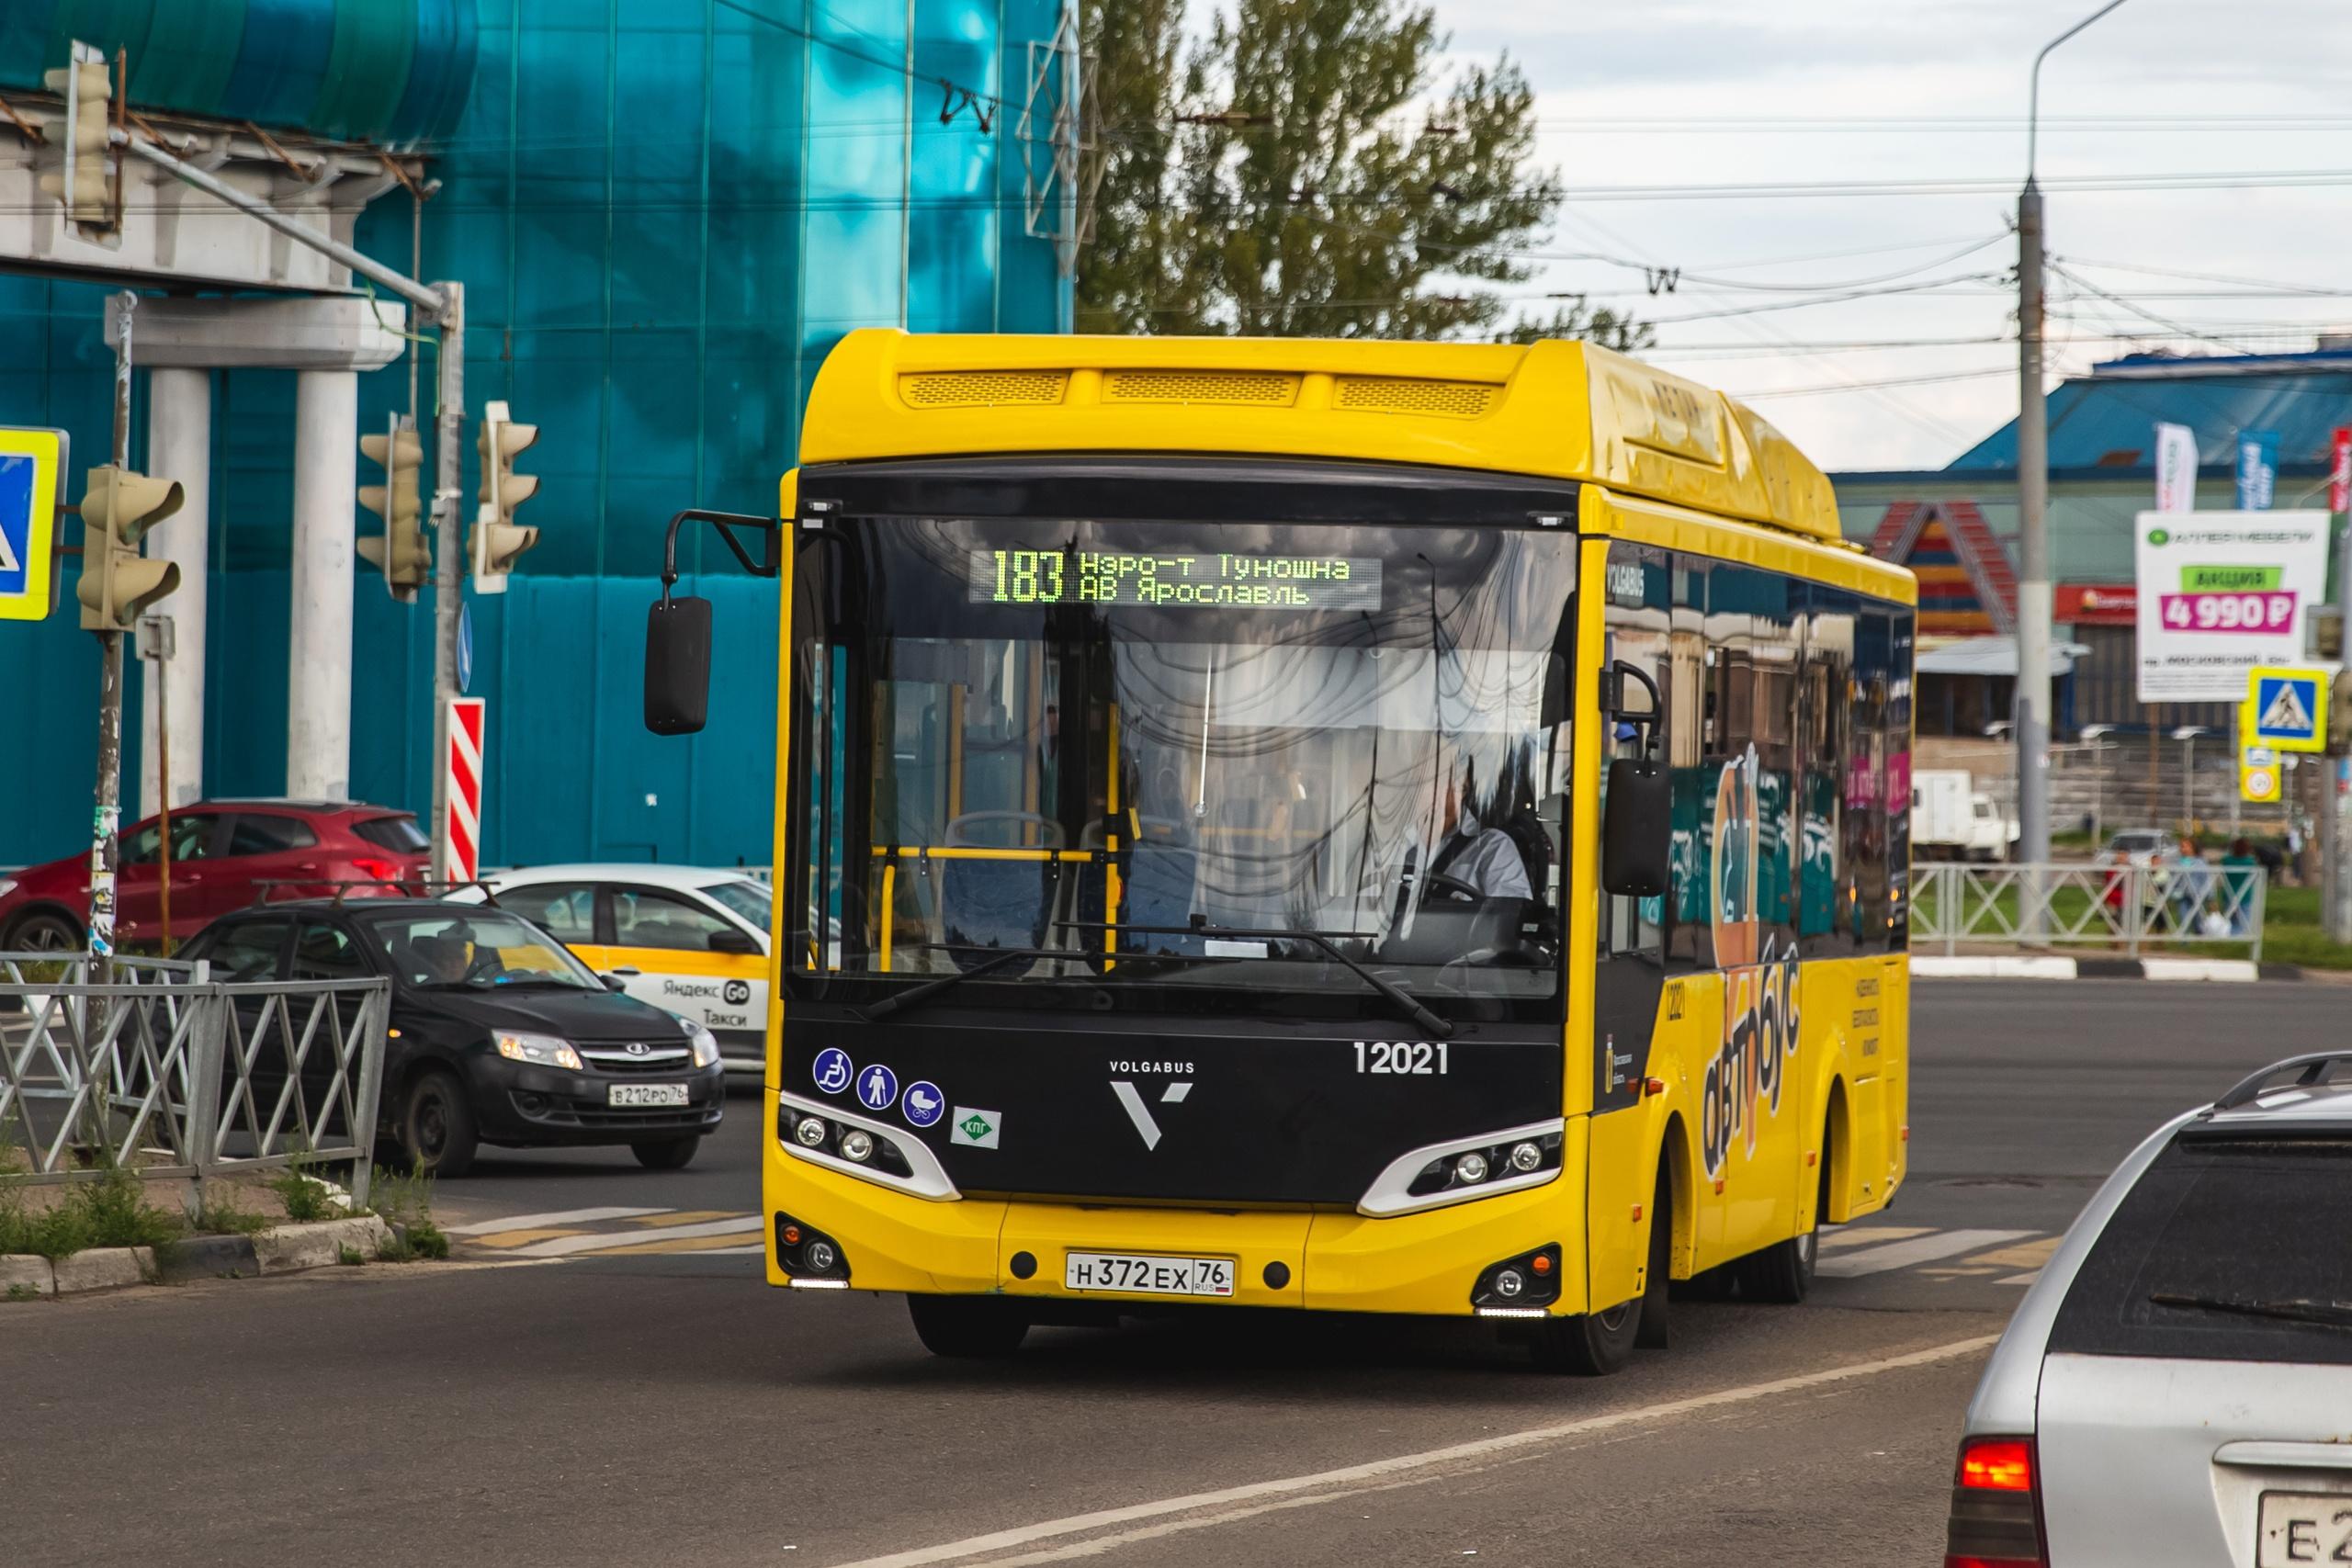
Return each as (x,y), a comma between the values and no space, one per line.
(691,940)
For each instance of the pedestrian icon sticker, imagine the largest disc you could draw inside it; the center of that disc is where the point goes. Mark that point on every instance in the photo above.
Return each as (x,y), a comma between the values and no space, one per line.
(832,1070)
(876,1088)
(924,1105)
(2283,710)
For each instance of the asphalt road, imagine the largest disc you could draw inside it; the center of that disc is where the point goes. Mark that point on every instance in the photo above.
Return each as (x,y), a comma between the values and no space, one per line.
(656,1407)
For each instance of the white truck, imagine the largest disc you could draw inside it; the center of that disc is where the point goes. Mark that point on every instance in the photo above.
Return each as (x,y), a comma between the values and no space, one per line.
(1952,819)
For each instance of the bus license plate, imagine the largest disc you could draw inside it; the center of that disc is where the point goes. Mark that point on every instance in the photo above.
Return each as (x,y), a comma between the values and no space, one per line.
(2304,1527)
(645,1094)
(1149,1276)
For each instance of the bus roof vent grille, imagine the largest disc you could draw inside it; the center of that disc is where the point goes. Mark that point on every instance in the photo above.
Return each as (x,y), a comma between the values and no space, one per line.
(1404,394)
(1261,389)
(976,389)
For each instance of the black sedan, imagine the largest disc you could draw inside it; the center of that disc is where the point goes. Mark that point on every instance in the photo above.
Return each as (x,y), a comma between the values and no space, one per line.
(498,1034)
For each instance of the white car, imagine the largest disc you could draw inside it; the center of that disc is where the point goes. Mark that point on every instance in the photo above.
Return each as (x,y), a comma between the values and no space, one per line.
(2177,1386)
(691,940)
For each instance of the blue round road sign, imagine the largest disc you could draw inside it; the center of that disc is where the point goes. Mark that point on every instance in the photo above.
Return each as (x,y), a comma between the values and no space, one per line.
(832,1070)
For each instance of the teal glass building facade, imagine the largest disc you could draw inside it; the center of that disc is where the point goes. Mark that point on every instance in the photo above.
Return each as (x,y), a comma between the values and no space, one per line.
(664,212)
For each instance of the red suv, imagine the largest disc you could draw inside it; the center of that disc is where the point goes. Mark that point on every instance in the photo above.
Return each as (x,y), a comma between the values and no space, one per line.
(222,854)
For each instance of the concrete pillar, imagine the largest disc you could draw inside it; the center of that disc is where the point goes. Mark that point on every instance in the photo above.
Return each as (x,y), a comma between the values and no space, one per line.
(318,688)
(179,446)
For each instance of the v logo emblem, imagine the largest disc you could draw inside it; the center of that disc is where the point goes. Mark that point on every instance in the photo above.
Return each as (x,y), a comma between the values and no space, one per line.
(1131,1101)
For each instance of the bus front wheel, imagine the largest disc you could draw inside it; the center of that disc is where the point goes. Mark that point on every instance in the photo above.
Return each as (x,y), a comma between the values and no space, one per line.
(1591,1346)
(968,1326)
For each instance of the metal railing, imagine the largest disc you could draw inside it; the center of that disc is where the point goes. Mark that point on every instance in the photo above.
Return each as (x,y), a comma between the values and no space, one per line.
(2126,907)
(171,1074)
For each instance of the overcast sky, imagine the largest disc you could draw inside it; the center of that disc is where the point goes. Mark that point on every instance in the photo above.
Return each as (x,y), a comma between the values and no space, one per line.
(2172,89)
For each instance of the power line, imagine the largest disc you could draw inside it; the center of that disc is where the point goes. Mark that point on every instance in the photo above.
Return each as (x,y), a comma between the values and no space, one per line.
(1763,392)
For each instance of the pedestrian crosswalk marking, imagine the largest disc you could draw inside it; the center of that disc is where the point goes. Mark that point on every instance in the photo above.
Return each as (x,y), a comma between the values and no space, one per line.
(560,1217)
(565,1247)
(1852,1236)
(1895,1255)
(686,1216)
(523,1234)
(724,1245)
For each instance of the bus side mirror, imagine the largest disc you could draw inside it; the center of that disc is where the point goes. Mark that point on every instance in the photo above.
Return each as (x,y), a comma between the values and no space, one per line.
(677,666)
(1635,829)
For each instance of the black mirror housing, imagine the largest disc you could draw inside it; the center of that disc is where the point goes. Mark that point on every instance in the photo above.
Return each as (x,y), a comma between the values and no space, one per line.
(1637,828)
(677,666)
(740,942)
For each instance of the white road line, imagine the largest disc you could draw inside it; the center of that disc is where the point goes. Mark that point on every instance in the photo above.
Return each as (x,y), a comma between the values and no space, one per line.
(565,1245)
(2026,1278)
(1389,1470)
(1919,1249)
(560,1217)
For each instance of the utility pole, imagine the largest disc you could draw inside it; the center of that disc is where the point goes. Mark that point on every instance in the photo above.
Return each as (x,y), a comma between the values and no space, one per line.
(2335,908)
(2034,591)
(448,578)
(106,846)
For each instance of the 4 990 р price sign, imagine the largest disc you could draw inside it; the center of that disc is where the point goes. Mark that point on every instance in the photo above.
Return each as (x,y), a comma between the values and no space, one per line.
(1220,580)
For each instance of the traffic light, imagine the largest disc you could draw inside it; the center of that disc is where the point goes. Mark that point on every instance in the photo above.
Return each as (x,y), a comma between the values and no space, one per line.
(496,540)
(117,582)
(399,552)
(81,185)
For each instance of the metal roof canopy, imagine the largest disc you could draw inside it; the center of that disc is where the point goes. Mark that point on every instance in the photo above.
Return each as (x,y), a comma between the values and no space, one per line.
(1994,656)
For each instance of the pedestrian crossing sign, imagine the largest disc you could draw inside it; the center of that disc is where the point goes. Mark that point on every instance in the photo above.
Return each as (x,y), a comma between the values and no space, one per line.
(31,462)
(2285,709)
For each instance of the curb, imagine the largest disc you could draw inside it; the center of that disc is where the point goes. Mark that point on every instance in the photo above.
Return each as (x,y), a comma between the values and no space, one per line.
(289,1249)
(2038,966)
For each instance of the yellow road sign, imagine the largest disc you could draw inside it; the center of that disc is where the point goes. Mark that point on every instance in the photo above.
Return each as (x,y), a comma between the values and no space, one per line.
(2285,709)
(2259,770)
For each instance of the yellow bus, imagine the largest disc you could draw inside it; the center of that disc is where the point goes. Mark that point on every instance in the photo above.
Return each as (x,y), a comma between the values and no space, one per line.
(1358,827)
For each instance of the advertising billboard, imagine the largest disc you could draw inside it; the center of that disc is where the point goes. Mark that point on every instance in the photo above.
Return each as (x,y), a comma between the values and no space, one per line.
(2221,593)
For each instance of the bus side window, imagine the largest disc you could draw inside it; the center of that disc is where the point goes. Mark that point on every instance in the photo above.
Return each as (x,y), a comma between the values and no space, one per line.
(1691,723)
(1824,717)
(1638,617)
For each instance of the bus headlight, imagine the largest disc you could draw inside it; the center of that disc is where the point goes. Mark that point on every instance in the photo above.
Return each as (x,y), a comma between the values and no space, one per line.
(810,1132)
(1460,1169)
(858,1144)
(852,1146)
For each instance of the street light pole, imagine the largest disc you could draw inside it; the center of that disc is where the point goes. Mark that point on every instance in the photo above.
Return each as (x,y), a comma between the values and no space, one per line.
(2034,589)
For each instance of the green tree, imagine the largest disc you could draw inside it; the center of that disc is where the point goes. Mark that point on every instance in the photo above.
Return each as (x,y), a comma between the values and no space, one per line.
(1303,173)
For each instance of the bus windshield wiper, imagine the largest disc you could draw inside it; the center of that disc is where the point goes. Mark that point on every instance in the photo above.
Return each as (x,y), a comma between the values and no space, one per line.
(2330,1315)
(916,995)
(1411,1005)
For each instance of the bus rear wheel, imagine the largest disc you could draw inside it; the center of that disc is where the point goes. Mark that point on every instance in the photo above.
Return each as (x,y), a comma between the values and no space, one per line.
(968,1326)
(1784,1271)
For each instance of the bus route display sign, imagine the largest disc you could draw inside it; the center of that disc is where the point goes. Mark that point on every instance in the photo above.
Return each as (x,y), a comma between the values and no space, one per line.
(1222,580)
(2221,593)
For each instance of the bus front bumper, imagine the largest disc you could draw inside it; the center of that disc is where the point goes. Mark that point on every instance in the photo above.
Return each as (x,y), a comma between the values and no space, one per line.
(1321,1259)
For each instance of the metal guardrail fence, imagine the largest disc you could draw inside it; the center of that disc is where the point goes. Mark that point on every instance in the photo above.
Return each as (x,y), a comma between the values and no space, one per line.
(172,1074)
(2126,908)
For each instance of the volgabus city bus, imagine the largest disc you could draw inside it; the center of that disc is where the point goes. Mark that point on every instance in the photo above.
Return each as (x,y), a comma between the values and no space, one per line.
(1386,828)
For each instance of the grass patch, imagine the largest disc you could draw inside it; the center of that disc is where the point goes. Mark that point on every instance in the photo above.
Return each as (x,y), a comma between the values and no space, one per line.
(307,1197)
(23,1293)
(217,1213)
(405,1201)
(350,1257)
(110,1209)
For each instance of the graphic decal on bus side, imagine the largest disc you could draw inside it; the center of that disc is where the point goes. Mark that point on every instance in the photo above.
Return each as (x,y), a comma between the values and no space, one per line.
(1742,1081)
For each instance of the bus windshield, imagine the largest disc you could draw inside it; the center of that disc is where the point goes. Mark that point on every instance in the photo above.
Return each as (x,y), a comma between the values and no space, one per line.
(1183,757)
